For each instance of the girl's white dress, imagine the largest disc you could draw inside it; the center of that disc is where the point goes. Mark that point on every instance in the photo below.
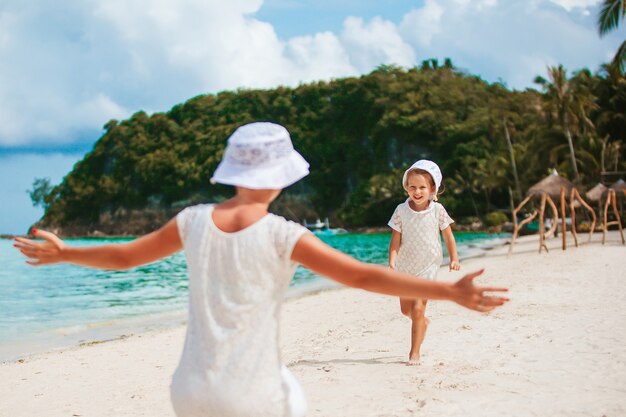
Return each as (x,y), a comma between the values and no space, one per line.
(231,363)
(420,252)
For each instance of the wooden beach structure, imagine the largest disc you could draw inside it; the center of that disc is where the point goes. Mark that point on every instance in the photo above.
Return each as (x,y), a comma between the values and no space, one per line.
(595,194)
(577,201)
(553,187)
(617,188)
(544,190)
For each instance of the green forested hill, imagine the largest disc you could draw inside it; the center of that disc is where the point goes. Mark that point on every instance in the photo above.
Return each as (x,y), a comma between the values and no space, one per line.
(358,134)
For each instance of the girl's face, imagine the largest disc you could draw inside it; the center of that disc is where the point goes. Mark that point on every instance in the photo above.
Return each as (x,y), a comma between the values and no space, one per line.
(420,190)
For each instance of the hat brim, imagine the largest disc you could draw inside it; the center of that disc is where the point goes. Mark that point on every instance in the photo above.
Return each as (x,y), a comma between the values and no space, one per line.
(277,176)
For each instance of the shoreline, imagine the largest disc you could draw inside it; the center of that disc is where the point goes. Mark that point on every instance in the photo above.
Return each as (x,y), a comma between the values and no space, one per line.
(76,336)
(364,230)
(21,346)
(347,348)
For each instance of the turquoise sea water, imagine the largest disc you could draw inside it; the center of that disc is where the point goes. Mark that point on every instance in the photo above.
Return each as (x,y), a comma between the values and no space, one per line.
(64,304)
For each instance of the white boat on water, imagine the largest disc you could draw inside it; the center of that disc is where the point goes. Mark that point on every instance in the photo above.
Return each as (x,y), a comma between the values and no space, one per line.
(317,225)
(323,228)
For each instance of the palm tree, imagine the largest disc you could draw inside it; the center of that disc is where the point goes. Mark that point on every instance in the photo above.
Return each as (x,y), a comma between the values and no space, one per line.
(559,101)
(611,13)
(509,145)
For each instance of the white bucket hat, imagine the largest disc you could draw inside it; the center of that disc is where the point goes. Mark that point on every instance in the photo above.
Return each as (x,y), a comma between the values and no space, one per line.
(428,166)
(260,155)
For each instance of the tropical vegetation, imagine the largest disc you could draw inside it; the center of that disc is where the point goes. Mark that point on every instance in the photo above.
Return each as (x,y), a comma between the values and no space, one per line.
(359,134)
(611,14)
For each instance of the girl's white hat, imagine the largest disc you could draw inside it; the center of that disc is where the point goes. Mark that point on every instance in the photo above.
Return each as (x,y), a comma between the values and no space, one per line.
(260,155)
(428,166)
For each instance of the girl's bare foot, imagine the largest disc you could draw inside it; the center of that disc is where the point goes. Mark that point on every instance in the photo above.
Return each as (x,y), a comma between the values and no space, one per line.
(413,361)
(414,358)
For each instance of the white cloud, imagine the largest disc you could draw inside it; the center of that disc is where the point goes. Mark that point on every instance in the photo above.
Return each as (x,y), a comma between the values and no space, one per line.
(374,43)
(512,41)
(420,25)
(477,4)
(46,90)
(92,110)
(68,67)
(216,44)
(318,57)
(573,4)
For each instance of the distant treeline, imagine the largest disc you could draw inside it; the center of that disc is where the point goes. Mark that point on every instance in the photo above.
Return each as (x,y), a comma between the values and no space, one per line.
(359,134)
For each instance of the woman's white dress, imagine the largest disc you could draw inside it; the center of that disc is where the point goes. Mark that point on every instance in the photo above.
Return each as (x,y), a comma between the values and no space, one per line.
(420,252)
(231,364)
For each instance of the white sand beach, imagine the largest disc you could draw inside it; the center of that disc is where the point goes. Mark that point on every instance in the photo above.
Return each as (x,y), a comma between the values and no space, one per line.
(557,349)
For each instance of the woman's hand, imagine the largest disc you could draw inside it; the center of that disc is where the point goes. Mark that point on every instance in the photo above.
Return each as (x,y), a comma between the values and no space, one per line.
(473,297)
(149,248)
(50,251)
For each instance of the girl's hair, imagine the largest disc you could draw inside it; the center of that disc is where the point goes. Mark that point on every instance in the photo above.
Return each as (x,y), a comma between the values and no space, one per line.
(418,171)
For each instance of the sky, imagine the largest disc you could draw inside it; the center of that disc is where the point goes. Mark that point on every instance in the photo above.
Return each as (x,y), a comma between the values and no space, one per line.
(67,67)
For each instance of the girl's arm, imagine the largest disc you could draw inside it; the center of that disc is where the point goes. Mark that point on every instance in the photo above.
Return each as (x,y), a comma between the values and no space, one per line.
(448,238)
(325,260)
(149,248)
(394,246)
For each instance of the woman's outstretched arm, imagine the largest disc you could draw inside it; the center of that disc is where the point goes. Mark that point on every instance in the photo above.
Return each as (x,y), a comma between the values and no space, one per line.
(325,260)
(149,248)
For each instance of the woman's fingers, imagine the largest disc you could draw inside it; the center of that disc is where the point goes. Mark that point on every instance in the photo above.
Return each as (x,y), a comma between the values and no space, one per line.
(47,236)
(31,255)
(37,252)
(24,241)
(470,277)
(26,248)
(493,301)
(492,289)
(27,253)
(50,237)
(474,297)
(489,303)
(485,309)
(21,246)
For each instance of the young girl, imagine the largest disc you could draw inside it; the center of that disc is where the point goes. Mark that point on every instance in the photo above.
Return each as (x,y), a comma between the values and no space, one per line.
(240,260)
(415,246)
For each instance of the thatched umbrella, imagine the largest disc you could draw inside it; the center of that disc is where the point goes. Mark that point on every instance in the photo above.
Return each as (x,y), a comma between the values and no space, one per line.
(576,201)
(596,193)
(619,186)
(618,189)
(551,185)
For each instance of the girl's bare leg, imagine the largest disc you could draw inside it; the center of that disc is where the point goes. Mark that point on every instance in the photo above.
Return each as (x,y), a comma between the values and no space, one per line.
(406,305)
(419,324)
(426,322)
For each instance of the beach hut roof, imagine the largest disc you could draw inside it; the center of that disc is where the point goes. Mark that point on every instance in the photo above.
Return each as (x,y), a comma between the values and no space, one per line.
(596,192)
(551,185)
(619,185)
(620,188)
